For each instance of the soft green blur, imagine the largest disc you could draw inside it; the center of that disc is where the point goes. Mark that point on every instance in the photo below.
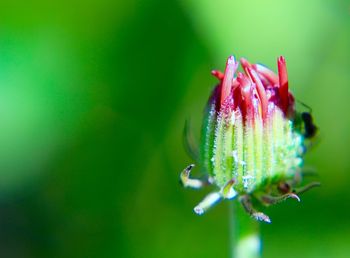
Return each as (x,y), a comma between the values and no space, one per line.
(93,99)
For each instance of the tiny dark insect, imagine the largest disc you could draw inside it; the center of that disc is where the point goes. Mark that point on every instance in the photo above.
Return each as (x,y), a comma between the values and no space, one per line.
(310,127)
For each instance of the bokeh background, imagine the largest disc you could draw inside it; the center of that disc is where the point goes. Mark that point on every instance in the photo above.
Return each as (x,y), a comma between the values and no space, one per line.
(93,99)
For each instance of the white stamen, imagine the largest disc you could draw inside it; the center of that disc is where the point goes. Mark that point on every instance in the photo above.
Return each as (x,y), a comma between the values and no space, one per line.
(233,118)
(246,180)
(235,156)
(207,202)
(231,193)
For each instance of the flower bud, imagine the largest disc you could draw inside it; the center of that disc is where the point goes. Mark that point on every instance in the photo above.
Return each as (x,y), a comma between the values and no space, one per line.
(252,137)
(248,132)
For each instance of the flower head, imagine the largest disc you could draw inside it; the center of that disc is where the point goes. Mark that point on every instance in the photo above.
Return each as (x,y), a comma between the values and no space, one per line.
(252,141)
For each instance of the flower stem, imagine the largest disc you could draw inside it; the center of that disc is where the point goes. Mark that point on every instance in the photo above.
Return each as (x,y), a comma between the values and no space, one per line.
(245,236)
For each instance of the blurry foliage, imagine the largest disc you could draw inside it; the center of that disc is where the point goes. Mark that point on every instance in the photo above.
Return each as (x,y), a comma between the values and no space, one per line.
(93,99)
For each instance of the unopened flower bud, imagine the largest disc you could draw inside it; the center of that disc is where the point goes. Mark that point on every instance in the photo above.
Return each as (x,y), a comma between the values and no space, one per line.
(252,141)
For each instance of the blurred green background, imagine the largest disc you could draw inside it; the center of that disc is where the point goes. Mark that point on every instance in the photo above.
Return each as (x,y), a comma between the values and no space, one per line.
(93,99)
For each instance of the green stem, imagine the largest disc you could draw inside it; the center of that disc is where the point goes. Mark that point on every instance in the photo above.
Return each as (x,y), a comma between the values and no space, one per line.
(245,237)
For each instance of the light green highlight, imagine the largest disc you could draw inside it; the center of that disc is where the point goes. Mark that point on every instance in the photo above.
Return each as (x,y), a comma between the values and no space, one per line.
(255,153)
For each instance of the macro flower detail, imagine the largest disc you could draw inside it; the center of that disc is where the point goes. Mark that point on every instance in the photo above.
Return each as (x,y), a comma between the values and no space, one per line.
(253,140)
